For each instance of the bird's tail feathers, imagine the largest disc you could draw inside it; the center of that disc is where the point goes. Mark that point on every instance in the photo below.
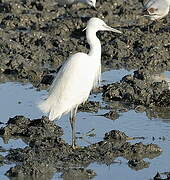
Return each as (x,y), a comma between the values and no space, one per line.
(53,109)
(48,108)
(53,114)
(44,106)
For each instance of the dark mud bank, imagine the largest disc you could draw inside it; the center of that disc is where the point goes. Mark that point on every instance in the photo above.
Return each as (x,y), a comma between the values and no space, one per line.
(139,89)
(36,37)
(49,153)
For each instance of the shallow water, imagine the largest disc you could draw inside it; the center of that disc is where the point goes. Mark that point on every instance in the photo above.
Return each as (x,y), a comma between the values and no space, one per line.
(21,99)
(113,76)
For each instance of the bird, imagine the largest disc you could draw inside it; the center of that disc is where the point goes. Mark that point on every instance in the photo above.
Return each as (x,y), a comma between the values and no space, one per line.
(156,9)
(91,3)
(78,75)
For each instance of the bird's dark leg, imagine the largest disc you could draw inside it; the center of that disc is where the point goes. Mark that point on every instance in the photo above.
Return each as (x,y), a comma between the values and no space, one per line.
(73,125)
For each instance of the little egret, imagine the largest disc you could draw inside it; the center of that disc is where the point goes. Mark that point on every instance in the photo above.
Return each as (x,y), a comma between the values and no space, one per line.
(76,78)
(68,2)
(156,9)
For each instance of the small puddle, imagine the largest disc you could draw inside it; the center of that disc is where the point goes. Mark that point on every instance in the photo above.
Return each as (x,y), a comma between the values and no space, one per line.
(113,76)
(19,99)
(22,99)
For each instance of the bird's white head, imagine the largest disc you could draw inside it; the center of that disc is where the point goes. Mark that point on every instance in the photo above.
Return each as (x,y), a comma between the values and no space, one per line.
(91,2)
(99,25)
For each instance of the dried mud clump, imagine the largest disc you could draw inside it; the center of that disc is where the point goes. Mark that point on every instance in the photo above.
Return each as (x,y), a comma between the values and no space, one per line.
(36,129)
(139,89)
(79,173)
(90,106)
(113,115)
(162,176)
(138,164)
(116,135)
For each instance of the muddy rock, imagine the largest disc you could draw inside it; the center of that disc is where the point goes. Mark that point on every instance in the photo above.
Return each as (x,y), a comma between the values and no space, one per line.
(158,176)
(113,115)
(32,172)
(47,79)
(90,106)
(35,36)
(139,89)
(30,129)
(138,164)
(1,157)
(47,152)
(158,112)
(78,173)
(116,135)
(102,152)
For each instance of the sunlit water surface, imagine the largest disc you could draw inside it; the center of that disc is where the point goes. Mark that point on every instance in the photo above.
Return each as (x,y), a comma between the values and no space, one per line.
(22,99)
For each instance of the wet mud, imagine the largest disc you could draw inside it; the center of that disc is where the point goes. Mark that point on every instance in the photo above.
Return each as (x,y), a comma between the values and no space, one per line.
(36,37)
(139,89)
(47,152)
(162,176)
(30,129)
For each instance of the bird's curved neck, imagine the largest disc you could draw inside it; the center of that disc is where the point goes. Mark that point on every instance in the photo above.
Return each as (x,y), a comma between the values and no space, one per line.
(94,42)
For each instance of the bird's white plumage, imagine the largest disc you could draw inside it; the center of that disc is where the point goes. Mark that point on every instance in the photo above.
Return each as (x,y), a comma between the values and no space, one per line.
(157,9)
(77,76)
(72,85)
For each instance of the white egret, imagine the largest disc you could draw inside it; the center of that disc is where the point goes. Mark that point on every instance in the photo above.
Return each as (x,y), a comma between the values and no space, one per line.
(156,9)
(76,78)
(68,2)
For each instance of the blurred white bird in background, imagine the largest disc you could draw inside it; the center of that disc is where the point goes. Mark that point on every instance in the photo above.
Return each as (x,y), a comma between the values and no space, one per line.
(69,2)
(76,78)
(156,9)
